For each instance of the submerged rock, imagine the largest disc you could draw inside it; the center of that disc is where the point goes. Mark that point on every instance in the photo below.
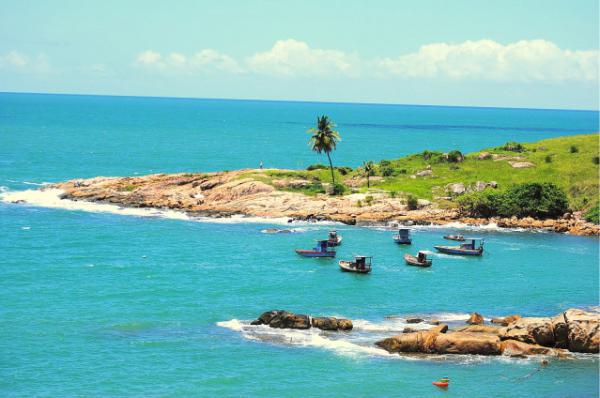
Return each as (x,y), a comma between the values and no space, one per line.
(414,320)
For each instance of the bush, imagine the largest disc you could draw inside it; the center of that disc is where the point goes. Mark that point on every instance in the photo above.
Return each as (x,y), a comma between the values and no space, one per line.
(548,159)
(344,170)
(512,146)
(393,194)
(573,149)
(539,200)
(593,214)
(368,200)
(339,189)
(402,171)
(596,159)
(359,203)
(431,154)
(385,163)
(386,171)
(412,202)
(317,166)
(455,156)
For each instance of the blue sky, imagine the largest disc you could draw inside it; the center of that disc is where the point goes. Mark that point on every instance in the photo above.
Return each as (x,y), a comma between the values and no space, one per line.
(483,53)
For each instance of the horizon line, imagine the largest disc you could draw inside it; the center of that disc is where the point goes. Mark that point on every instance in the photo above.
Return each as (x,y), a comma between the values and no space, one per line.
(298,101)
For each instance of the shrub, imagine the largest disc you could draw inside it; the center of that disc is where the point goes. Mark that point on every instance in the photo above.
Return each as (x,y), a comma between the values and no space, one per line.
(317,166)
(455,156)
(548,159)
(393,194)
(385,163)
(512,146)
(596,159)
(539,200)
(593,214)
(368,200)
(344,170)
(359,203)
(412,202)
(339,189)
(573,149)
(387,171)
(402,171)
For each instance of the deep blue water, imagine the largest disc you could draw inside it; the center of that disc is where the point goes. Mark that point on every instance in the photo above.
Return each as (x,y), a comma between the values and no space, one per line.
(97,304)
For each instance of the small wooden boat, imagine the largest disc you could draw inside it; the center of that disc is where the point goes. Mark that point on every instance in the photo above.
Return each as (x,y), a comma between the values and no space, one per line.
(320,250)
(420,260)
(334,239)
(459,238)
(403,237)
(467,249)
(360,265)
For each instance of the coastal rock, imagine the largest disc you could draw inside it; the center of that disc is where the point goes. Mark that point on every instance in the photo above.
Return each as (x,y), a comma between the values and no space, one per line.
(561,331)
(283,320)
(521,165)
(409,330)
(414,320)
(331,323)
(442,343)
(530,330)
(439,329)
(583,331)
(475,319)
(506,320)
(518,349)
(480,329)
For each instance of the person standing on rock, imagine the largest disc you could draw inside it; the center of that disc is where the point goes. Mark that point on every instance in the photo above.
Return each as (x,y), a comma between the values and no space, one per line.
(261,165)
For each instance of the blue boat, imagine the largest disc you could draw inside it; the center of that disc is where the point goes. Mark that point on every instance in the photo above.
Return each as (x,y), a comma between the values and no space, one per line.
(320,250)
(403,237)
(467,249)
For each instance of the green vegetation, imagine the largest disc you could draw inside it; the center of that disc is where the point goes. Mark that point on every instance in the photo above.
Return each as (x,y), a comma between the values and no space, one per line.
(593,213)
(369,169)
(576,173)
(412,202)
(531,199)
(324,139)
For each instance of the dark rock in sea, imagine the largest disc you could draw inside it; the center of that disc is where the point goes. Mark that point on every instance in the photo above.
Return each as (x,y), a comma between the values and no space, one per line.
(331,323)
(414,320)
(475,319)
(439,329)
(283,320)
(409,330)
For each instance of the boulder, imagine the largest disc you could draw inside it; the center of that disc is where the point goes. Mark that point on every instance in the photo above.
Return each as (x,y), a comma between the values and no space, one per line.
(439,329)
(484,156)
(521,165)
(457,188)
(583,331)
(561,331)
(514,348)
(531,331)
(475,319)
(480,329)
(409,330)
(506,320)
(440,343)
(424,173)
(331,323)
(414,320)
(283,320)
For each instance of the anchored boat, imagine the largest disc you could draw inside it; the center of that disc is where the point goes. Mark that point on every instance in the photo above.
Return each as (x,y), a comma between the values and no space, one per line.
(334,239)
(420,260)
(459,238)
(320,250)
(403,237)
(360,265)
(468,249)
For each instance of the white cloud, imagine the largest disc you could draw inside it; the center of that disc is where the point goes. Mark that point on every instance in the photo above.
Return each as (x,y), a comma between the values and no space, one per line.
(293,58)
(22,63)
(15,59)
(206,61)
(148,57)
(212,59)
(526,60)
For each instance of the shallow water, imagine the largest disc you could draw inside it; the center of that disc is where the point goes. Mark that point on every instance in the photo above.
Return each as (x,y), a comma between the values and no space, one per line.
(103,304)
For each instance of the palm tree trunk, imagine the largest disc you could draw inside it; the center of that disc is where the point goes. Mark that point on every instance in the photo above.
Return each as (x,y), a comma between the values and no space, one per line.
(368,183)
(331,167)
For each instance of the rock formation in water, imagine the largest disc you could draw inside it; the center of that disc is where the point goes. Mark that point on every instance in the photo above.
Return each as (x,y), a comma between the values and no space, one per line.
(288,320)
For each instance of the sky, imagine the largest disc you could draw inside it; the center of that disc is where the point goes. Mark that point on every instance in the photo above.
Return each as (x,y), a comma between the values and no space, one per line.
(507,53)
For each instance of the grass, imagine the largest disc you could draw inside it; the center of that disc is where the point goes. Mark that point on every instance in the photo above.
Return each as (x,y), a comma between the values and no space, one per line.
(555,160)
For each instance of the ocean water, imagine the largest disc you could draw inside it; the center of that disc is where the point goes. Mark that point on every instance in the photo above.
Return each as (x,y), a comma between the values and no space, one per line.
(104,302)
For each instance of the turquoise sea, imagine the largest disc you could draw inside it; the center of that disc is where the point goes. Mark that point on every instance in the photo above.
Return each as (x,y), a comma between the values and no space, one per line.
(96,304)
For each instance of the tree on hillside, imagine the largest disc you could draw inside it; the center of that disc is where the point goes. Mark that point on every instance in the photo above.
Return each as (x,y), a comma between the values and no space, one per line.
(324,139)
(369,171)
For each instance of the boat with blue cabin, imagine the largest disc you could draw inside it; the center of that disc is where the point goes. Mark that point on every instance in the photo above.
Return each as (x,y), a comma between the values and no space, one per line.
(403,237)
(320,250)
(471,248)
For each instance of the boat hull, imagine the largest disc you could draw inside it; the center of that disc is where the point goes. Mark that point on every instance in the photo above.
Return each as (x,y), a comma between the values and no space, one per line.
(314,254)
(346,266)
(333,243)
(459,251)
(401,241)
(412,260)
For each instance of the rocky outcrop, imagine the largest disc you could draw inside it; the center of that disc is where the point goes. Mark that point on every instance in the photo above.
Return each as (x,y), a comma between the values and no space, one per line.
(475,319)
(429,342)
(331,323)
(506,320)
(518,349)
(439,329)
(480,329)
(283,320)
(583,331)
(531,331)
(414,320)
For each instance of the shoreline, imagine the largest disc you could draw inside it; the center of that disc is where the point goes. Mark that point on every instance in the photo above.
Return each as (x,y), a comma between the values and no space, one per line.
(228,194)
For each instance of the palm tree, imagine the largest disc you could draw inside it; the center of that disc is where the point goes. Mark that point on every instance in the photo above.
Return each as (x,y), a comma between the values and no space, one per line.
(324,139)
(369,170)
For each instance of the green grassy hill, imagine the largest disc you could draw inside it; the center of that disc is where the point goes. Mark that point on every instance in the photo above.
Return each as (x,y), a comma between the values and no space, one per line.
(569,162)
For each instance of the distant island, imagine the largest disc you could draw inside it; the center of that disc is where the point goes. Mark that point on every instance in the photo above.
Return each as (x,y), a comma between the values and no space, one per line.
(550,184)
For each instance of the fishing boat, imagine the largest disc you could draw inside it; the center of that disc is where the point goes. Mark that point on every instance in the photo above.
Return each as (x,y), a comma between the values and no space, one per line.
(420,260)
(334,239)
(320,250)
(468,249)
(360,265)
(459,238)
(403,237)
